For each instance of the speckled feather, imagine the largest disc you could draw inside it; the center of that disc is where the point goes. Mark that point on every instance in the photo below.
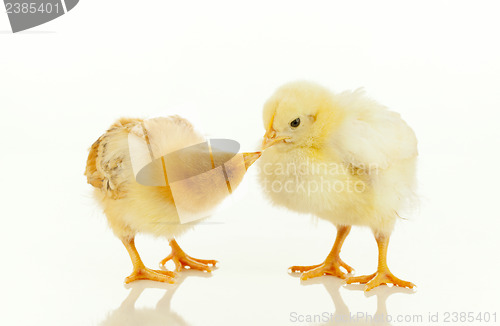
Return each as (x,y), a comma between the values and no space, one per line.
(129,206)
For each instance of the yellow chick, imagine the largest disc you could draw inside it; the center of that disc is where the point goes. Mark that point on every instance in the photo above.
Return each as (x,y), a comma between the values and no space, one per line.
(150,174)
(343,158)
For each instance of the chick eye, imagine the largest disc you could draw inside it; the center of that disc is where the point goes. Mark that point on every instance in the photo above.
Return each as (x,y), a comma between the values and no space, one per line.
(295,123)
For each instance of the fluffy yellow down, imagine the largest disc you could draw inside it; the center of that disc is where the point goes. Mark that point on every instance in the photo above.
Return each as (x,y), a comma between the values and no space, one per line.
(350,161)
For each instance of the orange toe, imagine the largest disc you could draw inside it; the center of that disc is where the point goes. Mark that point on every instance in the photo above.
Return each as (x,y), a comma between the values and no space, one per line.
(302,269)
(182,260)
(379,278)
(145,273)
(326,268)
(360,279)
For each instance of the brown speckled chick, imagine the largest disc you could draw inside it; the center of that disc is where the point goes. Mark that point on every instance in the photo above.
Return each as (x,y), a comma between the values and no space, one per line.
(132,207)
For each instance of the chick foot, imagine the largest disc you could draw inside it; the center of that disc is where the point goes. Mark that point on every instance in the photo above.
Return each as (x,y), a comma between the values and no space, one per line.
(182,260)
(332,263)
(144,273)
(379,278)
(141,272)
(326,268)
(383,275)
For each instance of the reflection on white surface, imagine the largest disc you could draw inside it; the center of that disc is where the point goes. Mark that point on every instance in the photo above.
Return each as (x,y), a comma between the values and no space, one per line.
(160,312)
(128,314)
(342,314)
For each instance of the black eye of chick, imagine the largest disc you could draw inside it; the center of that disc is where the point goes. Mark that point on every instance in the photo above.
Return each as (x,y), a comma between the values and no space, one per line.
(295,123)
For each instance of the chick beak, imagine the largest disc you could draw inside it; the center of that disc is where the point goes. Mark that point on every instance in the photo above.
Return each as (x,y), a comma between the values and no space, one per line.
(270,137)
(270,141)
(250,158)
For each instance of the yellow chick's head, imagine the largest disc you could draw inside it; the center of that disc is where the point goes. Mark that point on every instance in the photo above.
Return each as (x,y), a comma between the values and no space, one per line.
(300,114)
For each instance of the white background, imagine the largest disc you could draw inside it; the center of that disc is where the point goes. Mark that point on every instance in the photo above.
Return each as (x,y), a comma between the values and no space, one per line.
(63,83)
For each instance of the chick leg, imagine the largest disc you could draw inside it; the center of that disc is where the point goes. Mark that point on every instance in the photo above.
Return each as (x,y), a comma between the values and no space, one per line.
(383,274)
(182,260)
(141,272)
(332,263)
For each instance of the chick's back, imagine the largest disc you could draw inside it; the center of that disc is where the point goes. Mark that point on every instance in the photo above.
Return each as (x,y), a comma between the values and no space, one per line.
(131,207)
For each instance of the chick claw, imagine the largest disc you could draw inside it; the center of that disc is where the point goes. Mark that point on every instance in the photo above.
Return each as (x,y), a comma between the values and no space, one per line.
(326,268)
(182,260)
(379,278)
(145,273)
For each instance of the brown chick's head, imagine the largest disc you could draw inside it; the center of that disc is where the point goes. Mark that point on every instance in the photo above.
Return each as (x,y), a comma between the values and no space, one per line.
(299,114)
